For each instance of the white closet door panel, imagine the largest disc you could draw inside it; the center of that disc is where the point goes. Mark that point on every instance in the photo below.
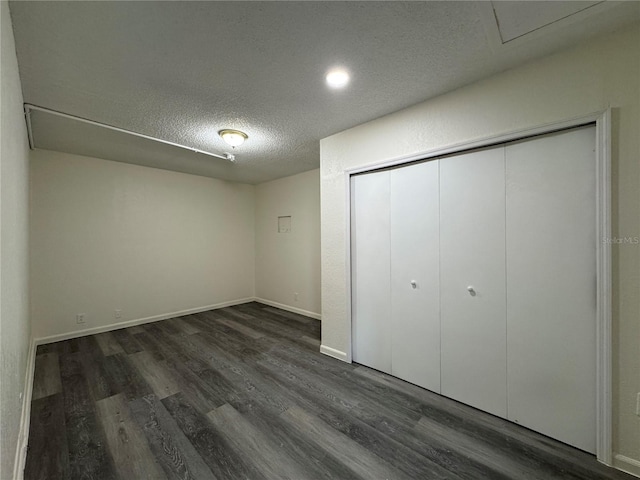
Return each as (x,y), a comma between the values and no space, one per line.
(415,284)
(551,274)
(371,275)
(472,243)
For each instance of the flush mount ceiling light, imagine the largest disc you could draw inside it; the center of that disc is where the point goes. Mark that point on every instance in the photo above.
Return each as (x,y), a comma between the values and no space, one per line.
(337,78)
(234,138)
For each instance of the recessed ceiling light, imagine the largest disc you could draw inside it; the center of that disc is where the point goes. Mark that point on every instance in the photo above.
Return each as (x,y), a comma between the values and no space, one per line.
(337,78)
(234,138)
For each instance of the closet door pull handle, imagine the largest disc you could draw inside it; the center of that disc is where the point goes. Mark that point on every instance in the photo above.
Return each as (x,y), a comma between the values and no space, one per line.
(414,284)
(471,291)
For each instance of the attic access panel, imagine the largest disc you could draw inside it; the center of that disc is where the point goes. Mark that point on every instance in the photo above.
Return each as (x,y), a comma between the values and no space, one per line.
(518,18)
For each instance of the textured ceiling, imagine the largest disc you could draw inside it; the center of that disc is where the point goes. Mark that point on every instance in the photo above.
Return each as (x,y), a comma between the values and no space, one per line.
(181,71)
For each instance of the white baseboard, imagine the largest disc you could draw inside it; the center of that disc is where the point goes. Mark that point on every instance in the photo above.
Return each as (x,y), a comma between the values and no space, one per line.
(137,321)
(25,418)
(626,464)
(332,352)
(289,308)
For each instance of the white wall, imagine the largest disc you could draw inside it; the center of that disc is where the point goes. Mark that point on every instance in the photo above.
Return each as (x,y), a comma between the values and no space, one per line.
(149,242)
(604,72)
(289,263)
(14,201)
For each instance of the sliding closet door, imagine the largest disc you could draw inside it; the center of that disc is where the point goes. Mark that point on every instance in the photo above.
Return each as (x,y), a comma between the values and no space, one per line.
(370,270)
(472,243)
(415,286)
(551,273)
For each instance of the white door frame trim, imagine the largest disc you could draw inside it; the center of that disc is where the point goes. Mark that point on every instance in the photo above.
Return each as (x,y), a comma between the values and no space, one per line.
(602,121)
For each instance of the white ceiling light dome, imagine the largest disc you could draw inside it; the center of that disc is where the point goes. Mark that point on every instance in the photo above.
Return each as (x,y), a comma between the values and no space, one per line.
(235,138)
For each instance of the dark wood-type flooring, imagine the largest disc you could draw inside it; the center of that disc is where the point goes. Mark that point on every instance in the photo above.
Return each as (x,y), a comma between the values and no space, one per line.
(242,393)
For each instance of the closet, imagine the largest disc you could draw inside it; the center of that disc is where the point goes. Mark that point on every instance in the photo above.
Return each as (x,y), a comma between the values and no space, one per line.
(392,296)
(474,276)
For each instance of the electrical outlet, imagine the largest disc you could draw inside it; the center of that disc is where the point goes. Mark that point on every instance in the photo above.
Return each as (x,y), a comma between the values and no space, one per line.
(117,313)
(295,297)
(80,317)
(638,405)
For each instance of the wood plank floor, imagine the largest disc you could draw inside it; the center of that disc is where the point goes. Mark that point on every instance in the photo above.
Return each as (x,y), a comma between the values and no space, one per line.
(242,393)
